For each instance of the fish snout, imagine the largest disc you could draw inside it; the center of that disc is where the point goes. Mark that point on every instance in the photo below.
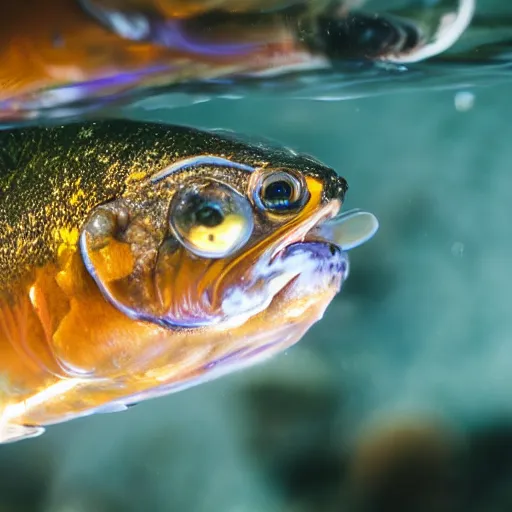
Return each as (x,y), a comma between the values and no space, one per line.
(328,256)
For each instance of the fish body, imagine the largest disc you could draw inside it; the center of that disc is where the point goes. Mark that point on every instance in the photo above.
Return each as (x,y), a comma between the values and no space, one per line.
(140,259)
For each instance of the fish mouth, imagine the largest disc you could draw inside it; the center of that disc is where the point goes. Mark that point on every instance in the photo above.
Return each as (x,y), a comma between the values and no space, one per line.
(303,263)
(308,261)
(311,231)
(307,265)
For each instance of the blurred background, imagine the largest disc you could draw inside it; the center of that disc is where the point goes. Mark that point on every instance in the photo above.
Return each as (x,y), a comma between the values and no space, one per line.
(399,399)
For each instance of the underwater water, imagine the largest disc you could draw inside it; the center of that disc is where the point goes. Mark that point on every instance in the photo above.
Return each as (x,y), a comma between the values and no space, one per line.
(418,342)
(400,397)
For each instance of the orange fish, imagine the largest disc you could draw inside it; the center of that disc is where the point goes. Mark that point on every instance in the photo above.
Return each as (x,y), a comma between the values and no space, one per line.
(140,259)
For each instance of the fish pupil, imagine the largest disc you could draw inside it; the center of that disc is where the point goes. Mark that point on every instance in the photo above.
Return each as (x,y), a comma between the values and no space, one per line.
(209,216)
(278,193)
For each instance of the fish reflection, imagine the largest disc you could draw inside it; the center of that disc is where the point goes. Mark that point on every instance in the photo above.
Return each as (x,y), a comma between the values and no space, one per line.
(140,259)
(65,57)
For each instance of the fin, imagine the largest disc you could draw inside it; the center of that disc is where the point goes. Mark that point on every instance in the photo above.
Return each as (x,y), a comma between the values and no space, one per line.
(110,408)
(353,228)
(10,432)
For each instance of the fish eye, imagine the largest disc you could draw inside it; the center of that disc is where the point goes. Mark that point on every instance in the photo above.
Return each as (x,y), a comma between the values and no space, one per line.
(211,219)
(280,191)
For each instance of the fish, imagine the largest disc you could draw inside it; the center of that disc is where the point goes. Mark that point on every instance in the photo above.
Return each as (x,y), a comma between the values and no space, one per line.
(140,259)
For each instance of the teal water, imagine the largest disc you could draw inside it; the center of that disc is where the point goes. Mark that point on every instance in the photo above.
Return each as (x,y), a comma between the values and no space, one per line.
(400,398)
(419,336)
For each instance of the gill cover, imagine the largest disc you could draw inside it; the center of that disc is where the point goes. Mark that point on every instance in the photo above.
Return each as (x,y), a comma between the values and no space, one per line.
(149,261)
(139,272)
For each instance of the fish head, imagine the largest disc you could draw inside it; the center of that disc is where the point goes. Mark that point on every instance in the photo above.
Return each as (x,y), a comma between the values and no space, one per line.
(242,245)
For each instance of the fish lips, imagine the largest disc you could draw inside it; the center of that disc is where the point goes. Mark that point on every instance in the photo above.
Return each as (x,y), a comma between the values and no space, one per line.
(314,244)
(321,266)
(328,256)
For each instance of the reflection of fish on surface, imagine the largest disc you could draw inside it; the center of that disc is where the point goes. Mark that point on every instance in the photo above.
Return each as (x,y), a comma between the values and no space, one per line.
(88,54)
(138,259)
(58,52)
